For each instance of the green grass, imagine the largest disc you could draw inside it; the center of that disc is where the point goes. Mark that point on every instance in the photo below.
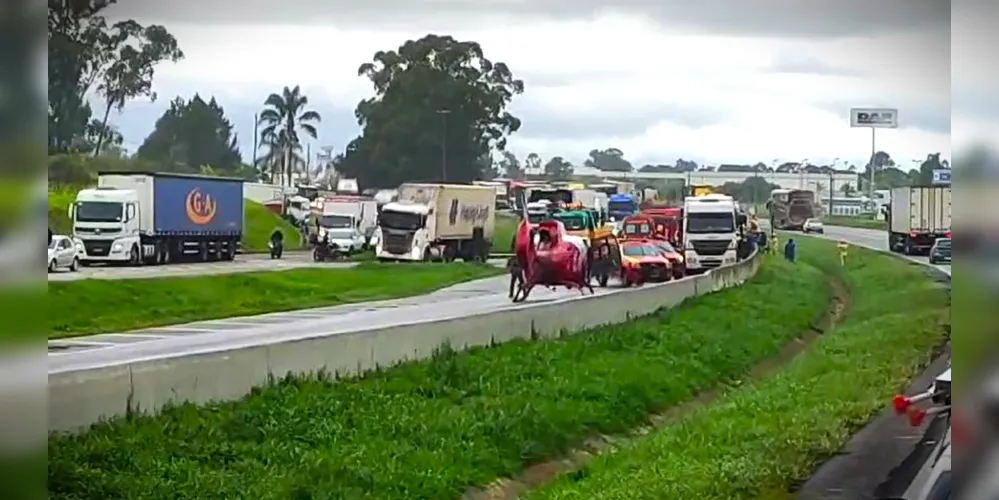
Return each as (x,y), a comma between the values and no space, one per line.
(95,306)
(259,222)
(431,429)
(861,222)
(760,439)
(506,229)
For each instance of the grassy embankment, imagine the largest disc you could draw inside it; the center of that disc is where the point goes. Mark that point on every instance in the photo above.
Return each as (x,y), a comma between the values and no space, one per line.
(758,440)
(434,428)
(95,306)
(859,222)
(259,222)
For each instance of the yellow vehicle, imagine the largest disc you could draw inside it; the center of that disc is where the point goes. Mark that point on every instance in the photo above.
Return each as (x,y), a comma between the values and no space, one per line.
(584,223)
(700,190)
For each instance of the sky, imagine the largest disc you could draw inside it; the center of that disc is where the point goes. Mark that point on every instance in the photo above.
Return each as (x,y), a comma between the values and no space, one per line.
(717,81)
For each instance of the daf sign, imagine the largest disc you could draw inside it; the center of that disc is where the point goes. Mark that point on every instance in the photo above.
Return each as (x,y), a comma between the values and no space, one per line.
(941,177)
(874,118)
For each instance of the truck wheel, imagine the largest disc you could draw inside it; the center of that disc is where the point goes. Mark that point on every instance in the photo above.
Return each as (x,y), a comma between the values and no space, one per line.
(907,248)
(134,258)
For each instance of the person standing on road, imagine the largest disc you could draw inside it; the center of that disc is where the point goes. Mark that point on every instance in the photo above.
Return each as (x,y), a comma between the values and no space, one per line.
(790,249)
(774,248)
(843,249)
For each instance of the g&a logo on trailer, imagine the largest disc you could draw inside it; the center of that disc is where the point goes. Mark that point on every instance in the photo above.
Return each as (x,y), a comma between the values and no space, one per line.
(201,207)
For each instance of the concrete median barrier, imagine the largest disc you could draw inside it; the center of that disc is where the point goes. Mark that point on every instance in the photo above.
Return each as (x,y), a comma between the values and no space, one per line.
(80,398)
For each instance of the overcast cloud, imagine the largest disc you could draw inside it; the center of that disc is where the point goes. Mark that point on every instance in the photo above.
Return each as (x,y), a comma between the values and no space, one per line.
(716,81)
(820,18)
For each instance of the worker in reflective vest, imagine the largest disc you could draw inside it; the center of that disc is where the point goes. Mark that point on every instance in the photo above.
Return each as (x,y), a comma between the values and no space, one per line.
(843,249)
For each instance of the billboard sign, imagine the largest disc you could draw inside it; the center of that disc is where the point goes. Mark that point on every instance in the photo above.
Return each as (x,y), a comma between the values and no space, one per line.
(873,117)
(941,176)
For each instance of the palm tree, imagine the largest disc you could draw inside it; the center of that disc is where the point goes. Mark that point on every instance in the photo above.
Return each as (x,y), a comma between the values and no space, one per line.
(284,115)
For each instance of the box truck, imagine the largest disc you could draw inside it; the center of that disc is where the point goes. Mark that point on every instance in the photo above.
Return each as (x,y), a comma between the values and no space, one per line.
(917,216)
(156,218)
(349,221)
(438,222)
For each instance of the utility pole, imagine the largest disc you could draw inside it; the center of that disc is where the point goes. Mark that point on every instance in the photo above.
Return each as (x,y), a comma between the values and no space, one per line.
(443,113)
(870,183)
(256,137)
(832,173)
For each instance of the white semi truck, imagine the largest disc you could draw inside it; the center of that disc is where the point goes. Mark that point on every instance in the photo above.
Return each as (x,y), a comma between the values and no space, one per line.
(710,232)
(438,222)
(917,216)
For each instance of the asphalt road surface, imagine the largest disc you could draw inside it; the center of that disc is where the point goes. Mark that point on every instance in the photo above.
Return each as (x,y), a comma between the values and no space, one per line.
(113,349)
(242,264)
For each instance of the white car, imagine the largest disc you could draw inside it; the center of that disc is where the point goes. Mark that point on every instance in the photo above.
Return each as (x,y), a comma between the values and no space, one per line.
(63,252)
(813,226)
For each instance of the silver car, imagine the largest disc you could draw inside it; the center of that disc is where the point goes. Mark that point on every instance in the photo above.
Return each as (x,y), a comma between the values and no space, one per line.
(63,253)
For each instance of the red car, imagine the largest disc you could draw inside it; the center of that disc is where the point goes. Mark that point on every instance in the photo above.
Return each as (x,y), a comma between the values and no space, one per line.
(675,258)
(643,261)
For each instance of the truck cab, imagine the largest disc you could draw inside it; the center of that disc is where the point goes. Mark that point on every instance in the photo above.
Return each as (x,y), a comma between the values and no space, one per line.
(407,230)
(348,221)
(538,211)
(620,206)
(710,232)
(107,221)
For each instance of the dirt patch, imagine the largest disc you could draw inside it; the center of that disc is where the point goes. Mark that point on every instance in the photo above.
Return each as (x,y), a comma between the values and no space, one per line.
(541,473)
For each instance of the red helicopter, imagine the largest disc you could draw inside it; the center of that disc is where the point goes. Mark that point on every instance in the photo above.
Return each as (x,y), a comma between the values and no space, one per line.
(546,255)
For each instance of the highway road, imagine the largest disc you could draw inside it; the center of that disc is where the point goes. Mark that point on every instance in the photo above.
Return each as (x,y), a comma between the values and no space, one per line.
(242,264)
(112,349)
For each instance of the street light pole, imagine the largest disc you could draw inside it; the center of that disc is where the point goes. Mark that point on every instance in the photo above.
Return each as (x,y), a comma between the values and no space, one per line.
(443,113)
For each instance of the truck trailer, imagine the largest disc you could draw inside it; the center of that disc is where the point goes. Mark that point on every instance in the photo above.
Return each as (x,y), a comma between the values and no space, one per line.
(438,222)
(157,218)
(917,216)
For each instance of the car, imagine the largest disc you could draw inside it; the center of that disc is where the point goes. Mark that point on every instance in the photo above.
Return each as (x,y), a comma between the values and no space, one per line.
(63,252)
(813,226)
(940,251)
(642,261)
(675,258)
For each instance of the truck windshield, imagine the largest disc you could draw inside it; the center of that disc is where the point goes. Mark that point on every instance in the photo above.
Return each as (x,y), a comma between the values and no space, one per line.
(573,222)
(400,220)
(98,211)
(638,250)
(335,221)
(621,206)
(537,217)
(719,222)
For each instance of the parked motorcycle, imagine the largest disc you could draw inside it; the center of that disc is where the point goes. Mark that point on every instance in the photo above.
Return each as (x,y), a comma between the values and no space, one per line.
(324,252)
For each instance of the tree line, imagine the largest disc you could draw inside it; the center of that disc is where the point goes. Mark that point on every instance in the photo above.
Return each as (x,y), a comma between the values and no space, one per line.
(438,112)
